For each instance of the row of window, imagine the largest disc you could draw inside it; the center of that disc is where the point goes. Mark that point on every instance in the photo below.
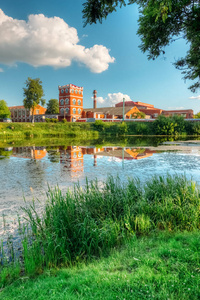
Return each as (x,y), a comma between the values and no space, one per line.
(67,101)
(72,91)
(67,110)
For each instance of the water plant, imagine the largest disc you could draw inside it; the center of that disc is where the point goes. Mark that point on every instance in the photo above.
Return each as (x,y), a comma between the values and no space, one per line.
(87,222)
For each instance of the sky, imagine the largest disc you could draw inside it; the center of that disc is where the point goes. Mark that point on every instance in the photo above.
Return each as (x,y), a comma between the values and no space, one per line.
(47,40)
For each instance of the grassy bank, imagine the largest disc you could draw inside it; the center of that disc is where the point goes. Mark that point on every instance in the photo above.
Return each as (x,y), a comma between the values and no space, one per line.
(164,266)
(27,130)
(89,222)
(174,126)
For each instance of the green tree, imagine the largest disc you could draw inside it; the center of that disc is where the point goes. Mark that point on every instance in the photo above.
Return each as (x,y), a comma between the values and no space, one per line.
(138,115)
(197,116)
(4,110)
(52,107)
(33,93)
(160,23)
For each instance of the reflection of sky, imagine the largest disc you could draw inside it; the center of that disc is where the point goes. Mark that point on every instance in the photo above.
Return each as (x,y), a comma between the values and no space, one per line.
(19,176)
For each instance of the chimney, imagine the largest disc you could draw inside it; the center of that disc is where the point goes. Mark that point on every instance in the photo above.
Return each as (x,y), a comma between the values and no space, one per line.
(95,99)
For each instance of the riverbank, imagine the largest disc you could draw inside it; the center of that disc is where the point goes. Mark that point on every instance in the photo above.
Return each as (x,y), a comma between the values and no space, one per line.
(164,266)
(90,221)
(36,130)
(163,126)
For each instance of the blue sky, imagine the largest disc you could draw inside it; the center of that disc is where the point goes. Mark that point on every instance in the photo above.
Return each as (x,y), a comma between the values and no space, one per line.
(46,39)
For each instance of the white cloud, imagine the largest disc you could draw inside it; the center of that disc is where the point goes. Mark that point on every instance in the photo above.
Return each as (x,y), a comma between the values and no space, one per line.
(43,41)
(1,70)
(112,99)
(193,97)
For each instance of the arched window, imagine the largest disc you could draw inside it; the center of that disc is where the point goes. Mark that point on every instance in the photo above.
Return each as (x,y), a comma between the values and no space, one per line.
(76,91)
(62,91)
(79,111)
(74,110)
(66,90)
(67,101)
(62,111)
(79,154)
(74,101)
(61,101)
(79,102)
(72,90)
(80,92)
(67,110)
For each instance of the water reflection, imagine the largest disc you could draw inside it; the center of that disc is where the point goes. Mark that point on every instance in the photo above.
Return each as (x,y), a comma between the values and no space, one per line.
(29,170)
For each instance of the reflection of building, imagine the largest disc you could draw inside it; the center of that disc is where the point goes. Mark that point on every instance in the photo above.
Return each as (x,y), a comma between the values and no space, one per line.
(70,102)
(29,152)
(72,158)
(126,153)
(21,114)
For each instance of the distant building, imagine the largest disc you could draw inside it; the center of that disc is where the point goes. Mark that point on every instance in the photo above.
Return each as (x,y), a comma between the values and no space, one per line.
(22,114)
(186,113)
(109,112)
(70,102)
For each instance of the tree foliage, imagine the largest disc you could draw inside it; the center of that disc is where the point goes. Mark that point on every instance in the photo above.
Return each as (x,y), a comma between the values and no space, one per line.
(4,110)
(52,107)
(33,93)
(160,23)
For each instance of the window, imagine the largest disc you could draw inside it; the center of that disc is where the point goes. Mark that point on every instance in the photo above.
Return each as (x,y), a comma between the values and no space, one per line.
(66,90)
(19,113)
(67,110)
(62,111)
(79,92)
(74,101)
(62,91)
(74,154)
(79,102)
(79,154)
(67,101)
(79,111)
(72,90)
(37,111)
(74,110)
(76,91)
(61,102)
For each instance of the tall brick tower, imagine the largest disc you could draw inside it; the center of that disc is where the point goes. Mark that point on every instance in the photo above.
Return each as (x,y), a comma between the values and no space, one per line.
(70,102)
(95,99)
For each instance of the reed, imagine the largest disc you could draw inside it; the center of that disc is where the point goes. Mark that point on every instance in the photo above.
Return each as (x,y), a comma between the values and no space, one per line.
(89,221)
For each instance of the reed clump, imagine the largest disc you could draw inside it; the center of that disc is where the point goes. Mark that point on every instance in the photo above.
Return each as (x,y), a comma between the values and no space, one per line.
(89,221)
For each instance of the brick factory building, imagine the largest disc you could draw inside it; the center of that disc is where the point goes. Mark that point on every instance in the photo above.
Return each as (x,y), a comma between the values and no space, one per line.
(22,114)
(70,102)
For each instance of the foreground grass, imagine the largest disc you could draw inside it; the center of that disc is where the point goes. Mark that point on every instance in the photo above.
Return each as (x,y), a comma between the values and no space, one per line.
(89,222)
(160,266)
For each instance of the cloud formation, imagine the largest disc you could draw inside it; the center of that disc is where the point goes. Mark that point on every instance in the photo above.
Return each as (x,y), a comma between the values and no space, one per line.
(197,97)
(42,41)
(112,99)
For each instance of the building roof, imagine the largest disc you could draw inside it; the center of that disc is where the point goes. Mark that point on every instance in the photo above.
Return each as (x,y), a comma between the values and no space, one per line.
(109,110)
(149,111)
(132,103)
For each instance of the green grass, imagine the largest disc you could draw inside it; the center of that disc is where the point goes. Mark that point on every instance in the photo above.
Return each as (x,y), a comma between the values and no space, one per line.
(89,222)
(164,266)
(25,130)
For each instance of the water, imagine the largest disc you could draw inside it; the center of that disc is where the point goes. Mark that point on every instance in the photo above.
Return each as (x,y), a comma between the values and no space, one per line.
(27,172)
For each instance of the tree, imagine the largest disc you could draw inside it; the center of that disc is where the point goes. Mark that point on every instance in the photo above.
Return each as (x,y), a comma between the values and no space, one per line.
(52,107)
(33,93)
(197,116)
(4,110)
(160,23)
(138,115)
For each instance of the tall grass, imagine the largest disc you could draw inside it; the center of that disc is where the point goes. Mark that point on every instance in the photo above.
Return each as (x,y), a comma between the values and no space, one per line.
(88,222)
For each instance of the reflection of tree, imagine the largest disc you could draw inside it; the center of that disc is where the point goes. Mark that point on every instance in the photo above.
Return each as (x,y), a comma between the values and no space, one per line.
(4,153)
(54,155)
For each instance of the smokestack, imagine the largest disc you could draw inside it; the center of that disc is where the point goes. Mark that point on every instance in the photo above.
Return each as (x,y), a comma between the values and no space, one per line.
(95,99)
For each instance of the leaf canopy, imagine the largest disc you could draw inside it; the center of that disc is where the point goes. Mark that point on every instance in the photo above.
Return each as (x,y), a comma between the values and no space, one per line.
(161,22)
